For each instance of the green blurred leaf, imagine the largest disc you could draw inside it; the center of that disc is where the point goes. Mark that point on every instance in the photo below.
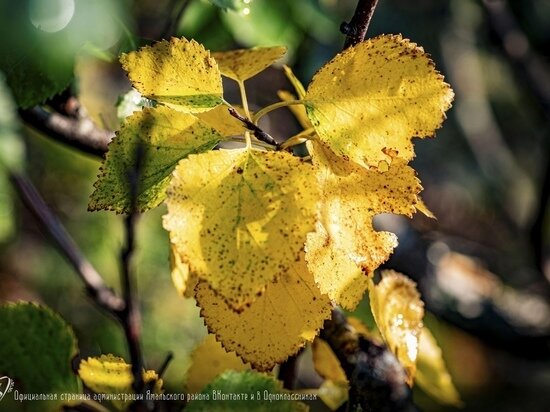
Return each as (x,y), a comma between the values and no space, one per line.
(42,37)
(236,5)
(166,136)
(11,156)
(36,350)
(252,384)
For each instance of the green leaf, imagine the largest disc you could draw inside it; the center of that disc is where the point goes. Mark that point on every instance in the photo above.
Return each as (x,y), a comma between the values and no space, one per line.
(239,218)
(165,136)
(109,374)
(370,100)
(179,73)
(36,351)
(11,156)
(235,5)
(250,384)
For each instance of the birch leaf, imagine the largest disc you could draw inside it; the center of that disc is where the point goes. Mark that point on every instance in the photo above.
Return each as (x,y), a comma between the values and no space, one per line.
(165,136)
(345,248)
(239,218)
(431,373)
(287,316)
(398,312)
(110,374)
(371,99)
(209,360)
(179,73)
(243,64)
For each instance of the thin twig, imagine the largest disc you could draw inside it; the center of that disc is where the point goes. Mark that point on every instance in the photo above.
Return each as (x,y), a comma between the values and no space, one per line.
(259,133)
(102,295)
(80,133)
(356,29)
(165,364)
(377,379)
(131,317)
(287,372)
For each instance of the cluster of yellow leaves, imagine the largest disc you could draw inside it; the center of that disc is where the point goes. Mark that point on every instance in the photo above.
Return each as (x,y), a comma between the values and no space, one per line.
(265,241)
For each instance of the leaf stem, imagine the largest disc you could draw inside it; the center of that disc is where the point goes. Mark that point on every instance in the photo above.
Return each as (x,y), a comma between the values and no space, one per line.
(274,106)
(244,99)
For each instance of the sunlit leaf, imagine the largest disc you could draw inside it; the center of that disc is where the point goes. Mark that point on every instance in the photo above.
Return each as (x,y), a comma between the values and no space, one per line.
(333,394)
(398,312)
(209,360)
(431,374)
(179,73)
(345,249)
(287,316)
(243,64)
(110,374)
(164,137)
(240,217)
(369,100)
(252,384)
(326,363)
(36,350)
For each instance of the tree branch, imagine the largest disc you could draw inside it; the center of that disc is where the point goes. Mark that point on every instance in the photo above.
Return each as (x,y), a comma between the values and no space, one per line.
(356,29)
(80,133)
(102,295)
(130,318)
(259,133)
(377,379)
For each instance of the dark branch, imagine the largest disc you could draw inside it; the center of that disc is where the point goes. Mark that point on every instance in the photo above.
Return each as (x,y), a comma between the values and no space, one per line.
(102,295)
(377,379)
(131,317)
(80,133)
(259,133)
(356,29)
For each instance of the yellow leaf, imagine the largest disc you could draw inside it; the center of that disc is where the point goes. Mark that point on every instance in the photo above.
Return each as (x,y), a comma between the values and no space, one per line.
(239,218)
(220,119)
(182,279)
(398,312)
(369,100)
(333,394)
(109,374)
(298,110)
(326,363)
(209,360)
(421,207)
(287,316)
(345,248)
(431,374)
(179,73)
(243,64)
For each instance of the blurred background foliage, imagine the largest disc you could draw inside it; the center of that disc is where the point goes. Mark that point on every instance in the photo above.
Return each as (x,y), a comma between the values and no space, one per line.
(481,265)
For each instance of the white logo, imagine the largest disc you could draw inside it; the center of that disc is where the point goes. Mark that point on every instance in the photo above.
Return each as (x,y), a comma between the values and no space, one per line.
(6,386)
